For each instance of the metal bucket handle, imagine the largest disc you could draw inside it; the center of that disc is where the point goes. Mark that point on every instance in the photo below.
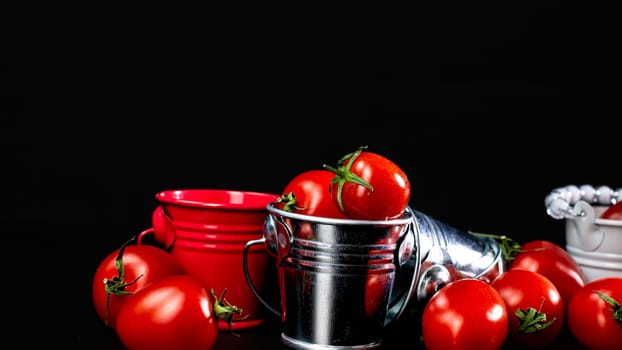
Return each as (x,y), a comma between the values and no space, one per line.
(249,281)
(407,271)
(561,202)
(270,240)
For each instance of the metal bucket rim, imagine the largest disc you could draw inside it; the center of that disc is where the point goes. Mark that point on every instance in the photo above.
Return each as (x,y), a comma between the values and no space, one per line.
(614,223)
(406,218)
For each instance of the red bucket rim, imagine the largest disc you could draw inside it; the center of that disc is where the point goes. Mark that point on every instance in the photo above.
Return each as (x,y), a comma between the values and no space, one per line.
(217,198)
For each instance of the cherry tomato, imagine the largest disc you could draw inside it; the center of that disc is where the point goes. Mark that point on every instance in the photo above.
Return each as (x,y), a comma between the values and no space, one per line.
(614,212)
(465,314)
(535,308)
(175,312)
(554,263)
(369,186)
(308,193)
(125,271)
(595,314)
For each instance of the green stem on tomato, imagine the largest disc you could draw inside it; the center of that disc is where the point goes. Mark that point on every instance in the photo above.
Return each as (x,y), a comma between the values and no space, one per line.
(343,174)
(509,247)
(224,310)
(617,308)
(532,320)
(289,202)
(116,285)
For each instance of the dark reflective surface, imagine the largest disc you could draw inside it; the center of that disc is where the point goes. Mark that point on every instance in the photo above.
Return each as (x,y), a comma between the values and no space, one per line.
(52,304)
(402,334)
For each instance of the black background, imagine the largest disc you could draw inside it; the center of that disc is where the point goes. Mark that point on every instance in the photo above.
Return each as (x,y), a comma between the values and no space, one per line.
(487,106)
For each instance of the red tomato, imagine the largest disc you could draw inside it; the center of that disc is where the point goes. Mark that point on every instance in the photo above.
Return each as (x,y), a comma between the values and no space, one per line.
(175,312)
(125,271)
(614,212)
(369,186)
(595,319)
(535,308)
(554,263)
(308,193)
(376,291)
(465,314)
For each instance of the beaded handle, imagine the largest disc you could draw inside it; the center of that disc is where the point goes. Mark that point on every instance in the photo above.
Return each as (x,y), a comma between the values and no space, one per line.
(560,202)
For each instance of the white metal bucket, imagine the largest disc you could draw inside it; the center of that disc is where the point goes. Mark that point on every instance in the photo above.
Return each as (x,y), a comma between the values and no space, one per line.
(595,243)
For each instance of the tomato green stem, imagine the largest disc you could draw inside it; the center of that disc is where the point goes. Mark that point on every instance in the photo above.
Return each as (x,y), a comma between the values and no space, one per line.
(289,202)
(616,307)
(116,285)
(509,247)
(343,174)
(224,310)
(532,320)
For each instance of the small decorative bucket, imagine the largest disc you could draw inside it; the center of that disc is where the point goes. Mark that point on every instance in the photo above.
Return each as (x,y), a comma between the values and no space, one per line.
(337,277)
(595,243)
(206,231)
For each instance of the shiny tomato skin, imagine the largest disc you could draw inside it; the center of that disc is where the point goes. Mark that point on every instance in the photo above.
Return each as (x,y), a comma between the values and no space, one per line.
(376,292)
(522,290)
(554,263)
(149,262)
(312,195)
(390,193)
(465,314)
(614,212)
(590,318)
(175,312)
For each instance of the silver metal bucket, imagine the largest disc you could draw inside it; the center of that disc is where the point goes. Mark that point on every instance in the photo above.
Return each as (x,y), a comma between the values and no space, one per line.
(448,254)
(342,282)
